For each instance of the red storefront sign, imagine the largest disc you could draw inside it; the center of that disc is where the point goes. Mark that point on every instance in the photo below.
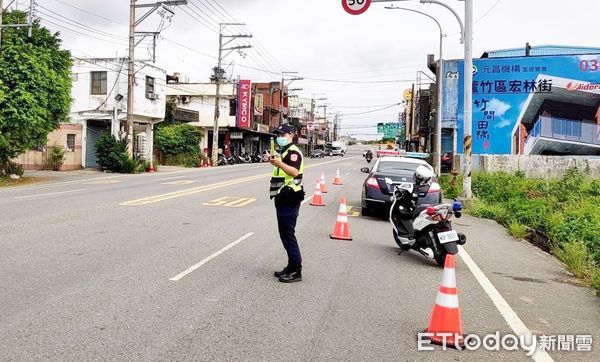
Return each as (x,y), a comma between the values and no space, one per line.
(243,112)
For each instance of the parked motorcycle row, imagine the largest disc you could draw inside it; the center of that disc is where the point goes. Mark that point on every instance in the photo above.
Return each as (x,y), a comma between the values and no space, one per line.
(223,160)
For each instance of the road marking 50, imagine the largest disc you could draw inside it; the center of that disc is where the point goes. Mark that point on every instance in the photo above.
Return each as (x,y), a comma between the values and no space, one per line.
(229,201)
(352,213)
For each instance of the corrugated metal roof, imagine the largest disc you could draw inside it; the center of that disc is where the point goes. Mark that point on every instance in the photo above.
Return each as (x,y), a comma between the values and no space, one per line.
(541,50)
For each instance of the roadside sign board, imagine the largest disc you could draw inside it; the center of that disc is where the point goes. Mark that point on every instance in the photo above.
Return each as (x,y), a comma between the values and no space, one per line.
(356,7)
(309,125)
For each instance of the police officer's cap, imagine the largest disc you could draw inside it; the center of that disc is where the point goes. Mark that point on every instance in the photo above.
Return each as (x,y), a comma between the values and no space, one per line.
(284,128)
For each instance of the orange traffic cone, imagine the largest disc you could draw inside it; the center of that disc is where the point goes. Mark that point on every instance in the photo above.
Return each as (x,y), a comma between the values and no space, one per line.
(323,186)
(151,168)
(341,230)
(337,180)
(317,199)
(445,318)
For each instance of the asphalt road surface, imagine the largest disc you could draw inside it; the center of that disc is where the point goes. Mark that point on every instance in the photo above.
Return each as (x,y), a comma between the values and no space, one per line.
(177,265)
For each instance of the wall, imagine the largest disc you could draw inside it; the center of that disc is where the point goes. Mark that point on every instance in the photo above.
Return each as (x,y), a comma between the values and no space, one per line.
(537,166)
(36,160)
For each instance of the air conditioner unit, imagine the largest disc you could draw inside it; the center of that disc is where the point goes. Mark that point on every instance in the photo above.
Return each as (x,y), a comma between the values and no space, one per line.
(185,99)
(153,96)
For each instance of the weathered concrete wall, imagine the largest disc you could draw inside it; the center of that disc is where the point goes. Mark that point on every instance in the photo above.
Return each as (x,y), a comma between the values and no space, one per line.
(537,166)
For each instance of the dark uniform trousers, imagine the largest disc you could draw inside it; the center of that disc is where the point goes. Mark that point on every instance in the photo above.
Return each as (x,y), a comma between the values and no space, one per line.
(287,215)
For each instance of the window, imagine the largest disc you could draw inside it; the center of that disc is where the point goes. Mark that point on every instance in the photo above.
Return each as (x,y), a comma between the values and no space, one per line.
(394,166)
(70,142)
(98,83)
(150,87)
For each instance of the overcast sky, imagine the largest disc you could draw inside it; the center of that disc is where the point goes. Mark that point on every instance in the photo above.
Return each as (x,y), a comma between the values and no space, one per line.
(317,39)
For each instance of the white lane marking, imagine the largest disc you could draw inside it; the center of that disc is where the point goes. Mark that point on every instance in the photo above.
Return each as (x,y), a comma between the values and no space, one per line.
(49,194)
(209,258)
(509,315)
(170,178)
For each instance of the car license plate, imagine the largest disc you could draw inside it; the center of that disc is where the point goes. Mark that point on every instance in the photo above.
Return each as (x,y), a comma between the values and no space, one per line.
(448,237)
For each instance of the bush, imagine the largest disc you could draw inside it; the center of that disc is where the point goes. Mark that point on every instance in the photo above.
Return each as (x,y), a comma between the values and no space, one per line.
(182,160)
(178,140)
(517,230)
(13,168)
(596,281)
(576,258)
(57,157)
(446,184)
(485,210)
(111,152)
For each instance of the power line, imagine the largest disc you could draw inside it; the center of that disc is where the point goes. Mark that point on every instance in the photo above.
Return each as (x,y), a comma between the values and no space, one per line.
(83,26)
(78,32)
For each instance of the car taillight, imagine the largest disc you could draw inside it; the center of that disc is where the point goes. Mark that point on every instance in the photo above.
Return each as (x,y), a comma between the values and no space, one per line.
(372,183)
(435,187)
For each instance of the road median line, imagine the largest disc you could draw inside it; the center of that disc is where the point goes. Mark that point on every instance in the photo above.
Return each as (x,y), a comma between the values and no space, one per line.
(200,189)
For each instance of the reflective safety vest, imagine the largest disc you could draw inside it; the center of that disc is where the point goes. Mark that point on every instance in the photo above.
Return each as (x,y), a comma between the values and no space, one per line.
(281,179)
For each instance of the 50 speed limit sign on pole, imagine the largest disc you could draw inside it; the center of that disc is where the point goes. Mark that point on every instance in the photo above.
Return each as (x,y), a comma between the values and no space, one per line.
(356,7)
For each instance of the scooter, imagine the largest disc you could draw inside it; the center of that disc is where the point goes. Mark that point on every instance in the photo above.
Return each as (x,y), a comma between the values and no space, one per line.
(256,158)
(369,156)
(426,229)
(244,158)
(221,160)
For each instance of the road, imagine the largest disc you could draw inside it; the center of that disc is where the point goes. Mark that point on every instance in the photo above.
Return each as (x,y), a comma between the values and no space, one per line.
(177,265)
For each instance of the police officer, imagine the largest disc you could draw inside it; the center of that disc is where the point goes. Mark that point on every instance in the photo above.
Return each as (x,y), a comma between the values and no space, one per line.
(286,189)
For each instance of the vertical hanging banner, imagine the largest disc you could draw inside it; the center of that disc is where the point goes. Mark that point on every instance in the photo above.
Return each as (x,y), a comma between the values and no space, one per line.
(258,105)
(244,112)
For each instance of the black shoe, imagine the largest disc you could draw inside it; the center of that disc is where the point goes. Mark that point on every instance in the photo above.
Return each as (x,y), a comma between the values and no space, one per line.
(292,277)
(278,274)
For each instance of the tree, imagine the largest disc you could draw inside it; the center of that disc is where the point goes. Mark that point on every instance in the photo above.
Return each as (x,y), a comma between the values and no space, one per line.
(35,86)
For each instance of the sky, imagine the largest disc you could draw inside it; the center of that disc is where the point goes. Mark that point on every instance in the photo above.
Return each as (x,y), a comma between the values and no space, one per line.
(361,64)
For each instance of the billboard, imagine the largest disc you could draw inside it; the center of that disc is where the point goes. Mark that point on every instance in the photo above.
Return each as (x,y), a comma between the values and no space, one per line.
(243,105)
(511,94)
(259,104)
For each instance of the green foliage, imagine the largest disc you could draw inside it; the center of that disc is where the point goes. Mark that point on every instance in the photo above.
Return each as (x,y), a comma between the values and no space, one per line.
(451,192)
(517,230)
(57,157)
(576,258)
(566,210)
(12,168)
(178,144)
(35,86)
(111,152)
(128,165)
(596,281)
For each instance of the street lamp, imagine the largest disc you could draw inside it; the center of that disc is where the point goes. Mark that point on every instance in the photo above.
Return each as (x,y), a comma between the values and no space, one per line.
(467,38)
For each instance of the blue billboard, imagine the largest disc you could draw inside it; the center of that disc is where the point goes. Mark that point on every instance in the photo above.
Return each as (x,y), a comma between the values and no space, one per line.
(510,95)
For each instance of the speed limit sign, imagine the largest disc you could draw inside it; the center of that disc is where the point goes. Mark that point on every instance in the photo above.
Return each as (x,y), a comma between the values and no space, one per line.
(356,7)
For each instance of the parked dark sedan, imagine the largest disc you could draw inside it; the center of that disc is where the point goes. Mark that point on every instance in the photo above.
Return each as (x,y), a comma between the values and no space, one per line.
(376,195)
(317,154)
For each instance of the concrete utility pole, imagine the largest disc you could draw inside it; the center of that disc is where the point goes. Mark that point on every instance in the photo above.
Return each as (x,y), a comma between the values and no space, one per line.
(215,143)
(283,85)
(133,23)
(468,87)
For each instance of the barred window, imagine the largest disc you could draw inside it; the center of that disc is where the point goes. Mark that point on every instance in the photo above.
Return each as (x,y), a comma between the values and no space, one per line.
(98,83)
(70,142)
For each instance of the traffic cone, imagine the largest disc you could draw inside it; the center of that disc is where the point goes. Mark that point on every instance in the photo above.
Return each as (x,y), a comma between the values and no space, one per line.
(341,230)
(445,318)
(337,180)
(317,199)
(323,186)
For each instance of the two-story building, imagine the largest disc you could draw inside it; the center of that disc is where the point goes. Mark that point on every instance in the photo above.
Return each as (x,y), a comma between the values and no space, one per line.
(99,104)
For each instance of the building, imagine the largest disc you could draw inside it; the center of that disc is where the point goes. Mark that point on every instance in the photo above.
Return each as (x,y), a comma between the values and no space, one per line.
(238,133)
(531,101)
(301,115)
(99,93)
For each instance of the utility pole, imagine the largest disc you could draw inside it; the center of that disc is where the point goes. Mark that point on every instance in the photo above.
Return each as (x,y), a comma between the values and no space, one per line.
(468,87)
(133,23)
(215,140)
(130,78)
(1,13)
(283,86)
